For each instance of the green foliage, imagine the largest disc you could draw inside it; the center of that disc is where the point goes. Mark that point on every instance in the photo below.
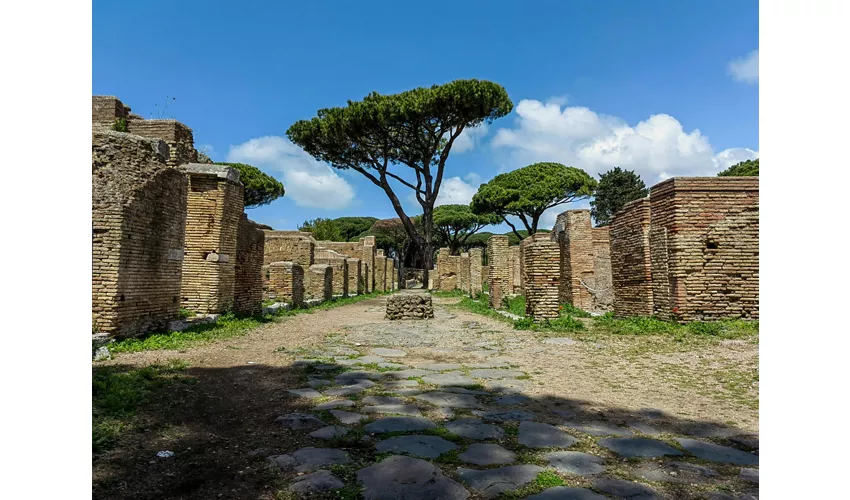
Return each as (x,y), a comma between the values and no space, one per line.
(571,310)
(400,139)
(616,188)
(322,229)
(529,191)
(747,168)
(454,224)
(560,324)
(480,307)
(391,235)
(120,125)
(260,188)
(185,313)
(117,394)
(350,228)
(515,305)
(643,325)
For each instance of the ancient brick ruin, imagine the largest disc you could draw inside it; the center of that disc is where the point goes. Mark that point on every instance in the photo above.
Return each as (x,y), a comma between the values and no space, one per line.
(541,264)
(585,269)
(166,233)
(463,282)
(380,271)
(355,280)
(703,250)
(318,282)
(337,262)
(284,283)
(476,272)
(498,256)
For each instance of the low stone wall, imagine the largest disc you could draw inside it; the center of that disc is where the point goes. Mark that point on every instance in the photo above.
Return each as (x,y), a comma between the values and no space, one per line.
(355,283)
(409,306)
(284,282)
(318,282)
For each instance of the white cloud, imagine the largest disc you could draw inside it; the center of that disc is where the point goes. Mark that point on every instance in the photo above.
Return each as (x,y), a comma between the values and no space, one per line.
(454,191)
(473,178)
(656,148)
(469,138)
(308,182)
(745,69)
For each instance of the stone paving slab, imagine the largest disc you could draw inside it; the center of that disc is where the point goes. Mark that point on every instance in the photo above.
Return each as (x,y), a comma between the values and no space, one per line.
(463,390)
(540,435)
(347,417)
(310,459)
(512,400)
(394,409)
(496,373)
(645,428)
(317,482)
(487,454)
(398,384)
(444,379)
(439,367)
(339,403)
(567,493)
(299,421)
(369,359)
(491,483)
(638,447)
(394,366)
(413,372)
(389,353)
(675,472)
(306,393)
(382,400)
(625,489)
(504,416)
(449,399)
(748,474)
(349,377)
(599,429)
(418,446)
(506,385)
(330,432)
(399,424)
(406,478)
(346,390)
(474,428)
(575,462)
(317,383)
(716,453)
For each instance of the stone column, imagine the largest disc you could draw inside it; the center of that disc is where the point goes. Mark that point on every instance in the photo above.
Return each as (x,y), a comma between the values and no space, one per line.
(498,256)
(576,242)
(285,283)
(541,265)
(464,272)
(380,271)
(355,285)
(475,272)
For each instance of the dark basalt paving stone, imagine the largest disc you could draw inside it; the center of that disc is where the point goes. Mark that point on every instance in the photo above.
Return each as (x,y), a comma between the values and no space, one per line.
(394,366)
(346,390)
(491,483)
(700,429)
(326,367)
(396,409)
(316,482)
(299,421)
(399,384)
(399,424)
(566,493)
(675,472)
(508,385)
(449,399)
(474,428)
(330,432)
(382,400)
(310,459)
(751,475)
(418,446)
(645,428)
(638,447)
(368,360)
(504,416)
(306,393)
(339,403)
(487,454)
(405,478)
(347,417)
(512,400)
(539,435)
(575,462)
(716,453)
(443,379)
(625,489)
(496,373)
(407,392)
(316,383)
(351,377)
(462,390)
(485,366)
(599,429)
(748,441)
(413,372)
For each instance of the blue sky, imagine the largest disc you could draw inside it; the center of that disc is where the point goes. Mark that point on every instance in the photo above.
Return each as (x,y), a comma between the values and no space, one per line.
(662,87)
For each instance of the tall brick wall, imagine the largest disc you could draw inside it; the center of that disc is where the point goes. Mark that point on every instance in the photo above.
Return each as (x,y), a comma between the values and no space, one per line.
(464,273)
(475,272)
(175,134)
(389,268)
(380,271)
(577,260)
(542,275)
(704,248)
(248,289)
(515,270)
(498,255)
(289,246)
(284,282)
(631,269)
(340,271)
(138,225)
(447,270)
(213,210)
(318,282)
(355,283)
(603,289)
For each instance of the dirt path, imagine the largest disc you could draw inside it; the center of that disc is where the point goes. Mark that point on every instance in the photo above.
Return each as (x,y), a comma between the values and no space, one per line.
(223,426)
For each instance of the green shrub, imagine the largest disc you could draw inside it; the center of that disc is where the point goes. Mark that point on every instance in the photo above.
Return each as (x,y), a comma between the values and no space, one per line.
(120,125)
(515,305)
(571,310)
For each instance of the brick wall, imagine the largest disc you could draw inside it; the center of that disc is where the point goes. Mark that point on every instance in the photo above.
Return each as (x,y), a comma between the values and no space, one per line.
(390,274)
(138,224)
(105,109)
(498,255)
(380,271)
(448,270)
(284,282)
(370,248)
(577,260)
(289,246)
(178,137)
(355,283)
(603,289)
(318,282)
(248,289)
(213,210)
(704,248)
(542,275)
(463,284)
(516,270)
(631,269)
(475,271)
(340,272)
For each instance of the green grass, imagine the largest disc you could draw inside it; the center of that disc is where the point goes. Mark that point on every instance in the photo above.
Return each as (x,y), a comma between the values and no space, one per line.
(228,326)
(117,394)
(452,293)
(185,313)
(480,307)
(544,480)
(571,310)
(562,324)
(643,325)
(515,305)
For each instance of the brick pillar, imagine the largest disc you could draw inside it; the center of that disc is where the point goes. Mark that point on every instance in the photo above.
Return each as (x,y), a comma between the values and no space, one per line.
(213,210)
(498,256)
(248,289)
(355,285)
(285,283)
(603,288)
(542,265)
(631,268)
(380,271)
(516,270)
(464,273)
(388,276)
(475,272)
(318,282)
(368,267)
(447,270)
(576,242)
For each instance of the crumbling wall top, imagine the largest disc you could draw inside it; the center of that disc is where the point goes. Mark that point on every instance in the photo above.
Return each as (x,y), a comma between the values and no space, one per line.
(228,173)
